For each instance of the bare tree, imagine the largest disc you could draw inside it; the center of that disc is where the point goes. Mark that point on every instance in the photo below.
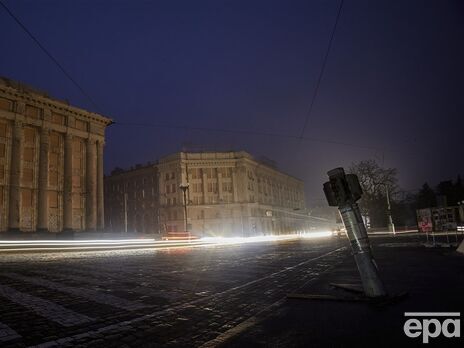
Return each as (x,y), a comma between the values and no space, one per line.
(374,181)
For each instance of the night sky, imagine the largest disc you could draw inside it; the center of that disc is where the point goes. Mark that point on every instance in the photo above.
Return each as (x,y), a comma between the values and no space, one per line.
(393,86)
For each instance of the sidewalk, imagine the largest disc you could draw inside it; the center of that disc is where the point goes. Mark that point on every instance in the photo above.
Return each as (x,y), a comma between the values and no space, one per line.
(433,278)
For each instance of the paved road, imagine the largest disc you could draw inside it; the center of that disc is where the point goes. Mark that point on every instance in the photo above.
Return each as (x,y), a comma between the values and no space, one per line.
(181,297)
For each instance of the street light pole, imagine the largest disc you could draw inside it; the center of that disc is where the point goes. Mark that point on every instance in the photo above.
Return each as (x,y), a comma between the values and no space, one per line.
(184,188)
(125,212)
(391,225)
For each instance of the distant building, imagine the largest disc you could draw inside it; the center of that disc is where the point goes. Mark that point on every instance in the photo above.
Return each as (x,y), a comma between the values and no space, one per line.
(229,194)
(132,200)
(51,163)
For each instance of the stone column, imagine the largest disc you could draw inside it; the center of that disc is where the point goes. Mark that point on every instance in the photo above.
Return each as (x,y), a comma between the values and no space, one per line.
(42,201)
(219,182)
(15,172)
(100,202)
(91,185)
(234,185)
(67,199)
(204,182)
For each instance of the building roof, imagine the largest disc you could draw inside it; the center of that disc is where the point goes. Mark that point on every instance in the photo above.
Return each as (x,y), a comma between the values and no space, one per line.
(36,94)
(224,155)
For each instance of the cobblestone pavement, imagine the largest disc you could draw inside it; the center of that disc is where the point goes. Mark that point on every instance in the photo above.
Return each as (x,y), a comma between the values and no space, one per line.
(182,297)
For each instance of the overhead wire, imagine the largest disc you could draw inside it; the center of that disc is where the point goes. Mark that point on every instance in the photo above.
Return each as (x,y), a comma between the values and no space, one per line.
(321,73)
(52,57)
(242,131)
(207,129)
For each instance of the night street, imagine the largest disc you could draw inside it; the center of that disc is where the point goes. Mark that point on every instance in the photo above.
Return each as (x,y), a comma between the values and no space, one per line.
(211,296)
(176,297)
(231,174)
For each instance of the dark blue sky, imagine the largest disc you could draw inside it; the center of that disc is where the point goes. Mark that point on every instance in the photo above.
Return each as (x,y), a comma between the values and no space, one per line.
(394,78)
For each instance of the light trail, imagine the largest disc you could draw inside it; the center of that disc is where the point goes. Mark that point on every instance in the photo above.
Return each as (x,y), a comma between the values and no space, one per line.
(149,243)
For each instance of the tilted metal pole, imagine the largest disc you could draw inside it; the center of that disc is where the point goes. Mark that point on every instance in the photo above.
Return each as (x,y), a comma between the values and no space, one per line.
(343,191)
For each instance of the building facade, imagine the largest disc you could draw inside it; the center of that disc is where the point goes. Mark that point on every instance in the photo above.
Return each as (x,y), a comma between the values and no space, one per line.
(229,194)
(132,200)
(51,163)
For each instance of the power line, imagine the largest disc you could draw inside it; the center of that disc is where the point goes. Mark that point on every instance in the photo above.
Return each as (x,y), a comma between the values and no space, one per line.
(324,62)
(42,47)
(242,131)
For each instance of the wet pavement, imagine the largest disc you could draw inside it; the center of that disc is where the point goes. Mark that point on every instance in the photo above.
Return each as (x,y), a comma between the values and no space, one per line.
(232,295)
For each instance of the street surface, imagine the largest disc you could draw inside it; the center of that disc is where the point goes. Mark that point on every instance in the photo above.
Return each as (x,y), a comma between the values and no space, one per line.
(180,297)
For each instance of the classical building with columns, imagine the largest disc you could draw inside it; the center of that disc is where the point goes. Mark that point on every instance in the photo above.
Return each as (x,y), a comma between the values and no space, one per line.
(51,163)
(229,194)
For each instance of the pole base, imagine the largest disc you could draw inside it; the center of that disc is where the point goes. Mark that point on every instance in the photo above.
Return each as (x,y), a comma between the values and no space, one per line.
(356,295)
(356,288)
(384,300)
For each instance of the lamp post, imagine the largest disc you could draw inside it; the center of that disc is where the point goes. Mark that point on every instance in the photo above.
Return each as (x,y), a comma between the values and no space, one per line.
(184,188)
(391,225)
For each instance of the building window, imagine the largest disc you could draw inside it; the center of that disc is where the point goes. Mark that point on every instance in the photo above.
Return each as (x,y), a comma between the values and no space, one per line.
(225,172)
(28,154)
(33,112)
(81,125)
(6,104)
(212,187)
(26,198)
(195,173)
(227,186)
(28,175)
(209,172)
(3,130)
(173,188)
(2,150)
(58,119)
(29,135)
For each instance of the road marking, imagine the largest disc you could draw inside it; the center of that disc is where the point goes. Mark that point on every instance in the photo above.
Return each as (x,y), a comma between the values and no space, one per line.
(129,323)
(89,294)
(45,308)
(137,288)
(7,333)
(252,321)
(244,325)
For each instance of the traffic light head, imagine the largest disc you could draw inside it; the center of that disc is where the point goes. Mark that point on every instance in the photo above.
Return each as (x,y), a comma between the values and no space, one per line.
(342,188)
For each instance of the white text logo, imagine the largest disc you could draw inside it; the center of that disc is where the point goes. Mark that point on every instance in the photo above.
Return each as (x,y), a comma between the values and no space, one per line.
(432,324)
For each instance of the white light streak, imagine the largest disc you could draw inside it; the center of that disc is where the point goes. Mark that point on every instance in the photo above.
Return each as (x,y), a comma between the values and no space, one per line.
(148,243)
